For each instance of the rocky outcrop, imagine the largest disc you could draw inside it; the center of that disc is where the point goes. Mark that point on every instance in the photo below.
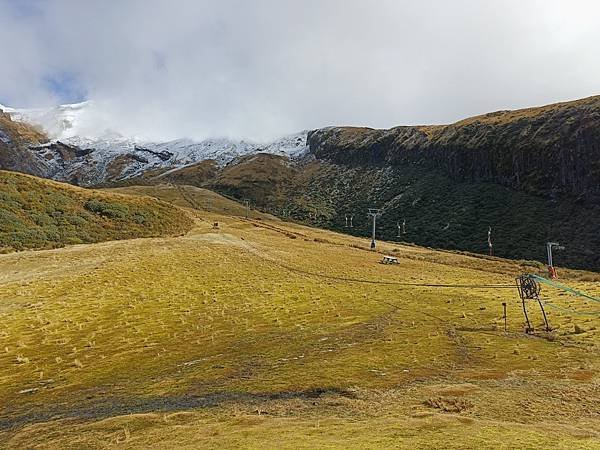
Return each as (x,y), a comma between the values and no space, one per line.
(163,155)
(17,141)
(65,152)
(549,151)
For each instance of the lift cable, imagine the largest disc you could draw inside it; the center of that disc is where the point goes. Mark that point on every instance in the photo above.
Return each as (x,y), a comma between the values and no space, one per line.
(570,311)
(564,288)
(390,283)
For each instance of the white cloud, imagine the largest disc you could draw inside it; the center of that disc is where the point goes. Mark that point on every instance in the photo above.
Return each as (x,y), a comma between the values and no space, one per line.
(263,68)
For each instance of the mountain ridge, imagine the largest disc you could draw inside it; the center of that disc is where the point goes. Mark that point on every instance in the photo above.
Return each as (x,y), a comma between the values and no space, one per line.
(106,156)
(550,150)
(533,175)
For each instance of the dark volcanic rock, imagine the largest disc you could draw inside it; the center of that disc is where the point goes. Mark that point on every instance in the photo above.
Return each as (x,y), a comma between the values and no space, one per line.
(64,151)
(15,141)
(164,155)
(549,151)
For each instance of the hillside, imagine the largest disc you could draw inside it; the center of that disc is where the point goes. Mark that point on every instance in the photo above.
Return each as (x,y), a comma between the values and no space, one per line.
(439,211)
(268,334)
(193,197)
(38,214)
(549,151)
(532,175)
(81,150)
(16,138)
(266,179)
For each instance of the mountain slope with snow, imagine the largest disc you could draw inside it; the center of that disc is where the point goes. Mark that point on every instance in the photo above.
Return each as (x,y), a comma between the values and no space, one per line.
(84,150)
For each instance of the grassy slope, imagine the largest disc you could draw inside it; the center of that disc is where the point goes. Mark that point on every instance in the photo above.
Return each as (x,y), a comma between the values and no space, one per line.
(191,197)
(439,212)
(36,213)
(264,178)
(442,213)
(227,338)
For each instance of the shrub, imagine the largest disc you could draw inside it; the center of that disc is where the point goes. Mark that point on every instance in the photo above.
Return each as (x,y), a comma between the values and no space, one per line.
(36,213)
(111,210)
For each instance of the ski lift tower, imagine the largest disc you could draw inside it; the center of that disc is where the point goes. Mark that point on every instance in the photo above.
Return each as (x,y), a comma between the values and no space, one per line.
(374,214)
(549,247)
(401,227)
(346,216)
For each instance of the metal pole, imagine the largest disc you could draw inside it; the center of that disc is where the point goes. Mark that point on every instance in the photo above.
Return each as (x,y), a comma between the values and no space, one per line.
(544,314)
(373,229)
(549,245)
(504,307)
(374,213)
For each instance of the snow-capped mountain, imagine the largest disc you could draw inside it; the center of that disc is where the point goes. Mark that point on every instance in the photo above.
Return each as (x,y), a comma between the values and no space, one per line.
(83,148)
(58,122)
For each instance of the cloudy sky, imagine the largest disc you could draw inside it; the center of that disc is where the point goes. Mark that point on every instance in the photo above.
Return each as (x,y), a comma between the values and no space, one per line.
(263,68)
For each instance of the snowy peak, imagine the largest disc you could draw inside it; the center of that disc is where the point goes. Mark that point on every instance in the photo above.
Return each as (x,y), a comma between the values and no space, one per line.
(107,155)
(81,124)
(63,121)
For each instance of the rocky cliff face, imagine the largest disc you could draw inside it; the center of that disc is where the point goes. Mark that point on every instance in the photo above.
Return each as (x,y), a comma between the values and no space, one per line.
(533,175)
(16,143)
(549,151)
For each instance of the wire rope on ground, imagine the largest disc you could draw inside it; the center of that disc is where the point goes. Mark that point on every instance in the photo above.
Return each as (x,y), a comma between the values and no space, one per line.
(389,283)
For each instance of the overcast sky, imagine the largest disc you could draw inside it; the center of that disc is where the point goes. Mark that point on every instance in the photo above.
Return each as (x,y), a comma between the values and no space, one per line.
(263,68)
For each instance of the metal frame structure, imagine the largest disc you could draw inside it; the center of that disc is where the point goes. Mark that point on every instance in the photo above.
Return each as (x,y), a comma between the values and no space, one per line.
(529,289)
(549,246)
(346,216)
(374,213)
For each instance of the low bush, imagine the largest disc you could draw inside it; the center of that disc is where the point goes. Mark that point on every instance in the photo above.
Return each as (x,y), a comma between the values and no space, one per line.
(40,214)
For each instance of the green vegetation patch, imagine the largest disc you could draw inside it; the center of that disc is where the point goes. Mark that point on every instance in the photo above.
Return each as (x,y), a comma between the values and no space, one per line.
(39,214)
(439,212)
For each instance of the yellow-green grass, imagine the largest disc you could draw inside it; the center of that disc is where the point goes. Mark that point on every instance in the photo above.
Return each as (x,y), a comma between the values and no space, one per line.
(193,197)
(38,213)
(230,337)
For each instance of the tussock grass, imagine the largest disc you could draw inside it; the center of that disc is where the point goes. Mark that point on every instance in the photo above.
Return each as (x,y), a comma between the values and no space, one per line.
(206,340)
(38,214)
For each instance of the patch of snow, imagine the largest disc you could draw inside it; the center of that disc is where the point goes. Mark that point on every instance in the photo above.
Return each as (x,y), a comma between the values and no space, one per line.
(6,109)
(173,155)
(4,137)
(59,122)
(293,146)
(80,125)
